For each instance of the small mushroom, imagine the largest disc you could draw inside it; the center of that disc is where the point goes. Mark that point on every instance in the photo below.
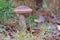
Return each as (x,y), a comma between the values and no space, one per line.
(58,27)
(20,11)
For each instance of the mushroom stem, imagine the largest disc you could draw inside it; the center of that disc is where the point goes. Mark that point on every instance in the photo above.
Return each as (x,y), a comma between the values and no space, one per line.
(22,22)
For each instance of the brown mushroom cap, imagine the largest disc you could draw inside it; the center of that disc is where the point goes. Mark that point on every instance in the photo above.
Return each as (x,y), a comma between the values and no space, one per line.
(22,9)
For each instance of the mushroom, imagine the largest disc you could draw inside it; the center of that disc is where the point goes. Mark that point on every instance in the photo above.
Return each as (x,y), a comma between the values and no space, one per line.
(20,11)
(58,27)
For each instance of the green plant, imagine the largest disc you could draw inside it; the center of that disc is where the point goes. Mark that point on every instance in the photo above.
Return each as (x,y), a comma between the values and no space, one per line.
(5,10)
(30,20)
(3,4)
(46,5)
(58,6)
(22,35)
